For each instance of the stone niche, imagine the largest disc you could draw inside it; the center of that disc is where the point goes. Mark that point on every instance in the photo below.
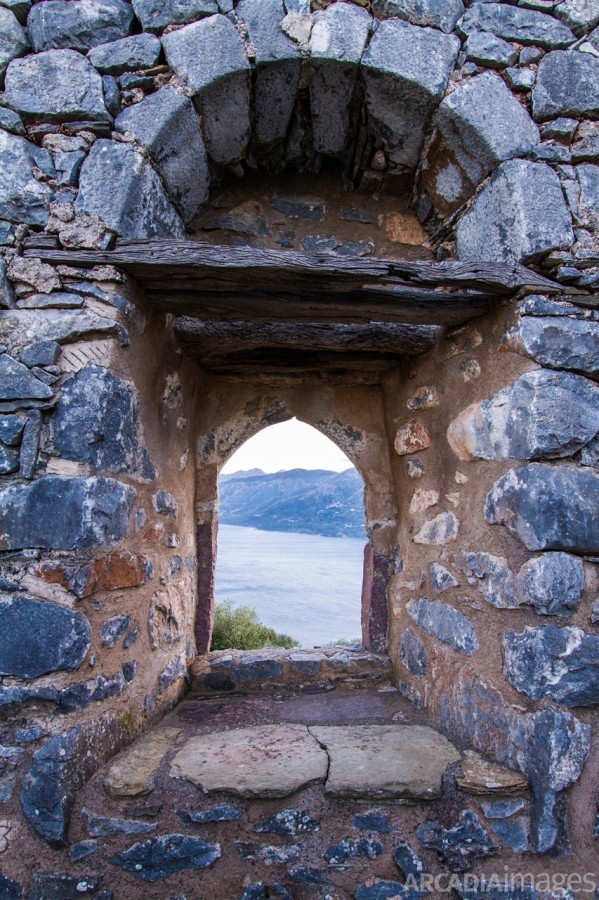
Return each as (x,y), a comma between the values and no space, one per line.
(419,132)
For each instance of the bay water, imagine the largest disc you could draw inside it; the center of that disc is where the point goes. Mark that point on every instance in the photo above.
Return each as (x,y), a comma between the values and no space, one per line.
(304,585)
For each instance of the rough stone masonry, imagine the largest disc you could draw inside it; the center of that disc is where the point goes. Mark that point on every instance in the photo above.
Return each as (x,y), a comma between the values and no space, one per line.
(412,130)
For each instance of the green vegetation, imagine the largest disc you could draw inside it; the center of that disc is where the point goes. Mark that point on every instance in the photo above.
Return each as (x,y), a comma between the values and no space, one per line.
(241,629)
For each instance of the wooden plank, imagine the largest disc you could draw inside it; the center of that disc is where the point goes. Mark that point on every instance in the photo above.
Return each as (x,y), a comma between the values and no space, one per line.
(400,305)
(258,266)
(297,363)
(222,344)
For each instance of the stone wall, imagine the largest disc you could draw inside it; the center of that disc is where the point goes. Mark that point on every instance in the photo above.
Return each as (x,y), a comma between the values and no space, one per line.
(479,458)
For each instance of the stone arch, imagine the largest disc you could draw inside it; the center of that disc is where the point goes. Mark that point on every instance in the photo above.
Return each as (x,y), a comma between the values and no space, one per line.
(243,416)
(389,96)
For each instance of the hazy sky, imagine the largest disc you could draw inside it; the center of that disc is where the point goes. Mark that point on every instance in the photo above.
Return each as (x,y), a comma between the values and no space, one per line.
(291,445)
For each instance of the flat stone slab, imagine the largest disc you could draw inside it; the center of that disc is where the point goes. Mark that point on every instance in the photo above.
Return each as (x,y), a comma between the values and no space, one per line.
(134,772)
(391,761)
(267,761)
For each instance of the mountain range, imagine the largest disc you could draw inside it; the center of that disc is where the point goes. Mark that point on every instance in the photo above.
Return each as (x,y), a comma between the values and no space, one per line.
(307,501)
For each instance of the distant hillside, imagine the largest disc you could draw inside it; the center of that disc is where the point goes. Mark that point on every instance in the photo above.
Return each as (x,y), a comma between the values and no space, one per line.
(308,501)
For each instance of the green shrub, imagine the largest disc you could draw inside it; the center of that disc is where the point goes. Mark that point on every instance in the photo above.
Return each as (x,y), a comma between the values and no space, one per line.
(241,629)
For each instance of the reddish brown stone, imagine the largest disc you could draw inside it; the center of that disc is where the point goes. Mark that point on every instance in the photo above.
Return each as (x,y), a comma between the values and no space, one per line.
(411,438)
(118,570)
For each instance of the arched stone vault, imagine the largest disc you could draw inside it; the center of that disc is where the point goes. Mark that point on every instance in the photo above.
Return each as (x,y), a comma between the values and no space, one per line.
(487,116)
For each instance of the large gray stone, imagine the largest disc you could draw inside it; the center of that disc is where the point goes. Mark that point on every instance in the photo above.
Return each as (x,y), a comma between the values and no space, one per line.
(17,382)
(412,653)
(518,216)
(579,15)
(264,761)
(13,40)
(560,663)
(444,622)
(64,513)
(513,23)
(567,85)
(337,42)
(477,126)
(120,187)
(552,583)
(278,64)
(155,15)
(392,761)
(166,855)
(406,70)
(166,124)
(549,747)
(441,14)
(210,56)
(140,51)
(586,145)
(37,638)
(543,414)
(548,507)
(60,768)
(22,197)
(557,342)
(495,580)
(23,326)
(55,86)
(587,210)
(97,422)
(79,25)
(489,50)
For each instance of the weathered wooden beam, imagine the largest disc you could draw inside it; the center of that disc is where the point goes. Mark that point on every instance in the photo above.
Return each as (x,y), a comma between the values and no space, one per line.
(225,345)
(415,306)
(247,266)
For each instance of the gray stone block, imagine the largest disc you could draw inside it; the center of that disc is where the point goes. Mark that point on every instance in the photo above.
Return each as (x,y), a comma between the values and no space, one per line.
(412,653)
(278,64)
(94,512)
(477,126)
(579,15)
(548,507)
(495,580)
(55,86)
(514,23)
(61,325)
(567,85)
(520,80)
(80,25)
(39,637)
(441,14)
(140,51)
(97,422)
(155,15)
(60,768)
(489,50)
(560,663)
(557,342)
(120,187)
(166,124)
(22,197)
(210,56)
(13,40)
(7,293)
(586,145)
(460,846)
(17,382)
(445,623)
(552,583)
(68,166)
(518,216)
(19,7)
(441,578)
(406,70)
(337,42)
(160,857)
(11,429)
(11,121)
(587,211)
(543,414)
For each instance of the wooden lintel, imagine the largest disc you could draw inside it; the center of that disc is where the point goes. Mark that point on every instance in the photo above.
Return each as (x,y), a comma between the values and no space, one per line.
(260,268)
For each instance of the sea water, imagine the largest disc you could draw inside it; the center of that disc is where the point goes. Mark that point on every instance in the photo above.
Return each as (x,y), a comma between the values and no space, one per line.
(304,585)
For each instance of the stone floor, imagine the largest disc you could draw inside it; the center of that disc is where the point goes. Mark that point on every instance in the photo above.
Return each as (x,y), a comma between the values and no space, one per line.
(316,791)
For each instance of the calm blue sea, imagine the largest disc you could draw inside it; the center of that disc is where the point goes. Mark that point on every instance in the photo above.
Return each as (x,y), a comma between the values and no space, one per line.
(301,584)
